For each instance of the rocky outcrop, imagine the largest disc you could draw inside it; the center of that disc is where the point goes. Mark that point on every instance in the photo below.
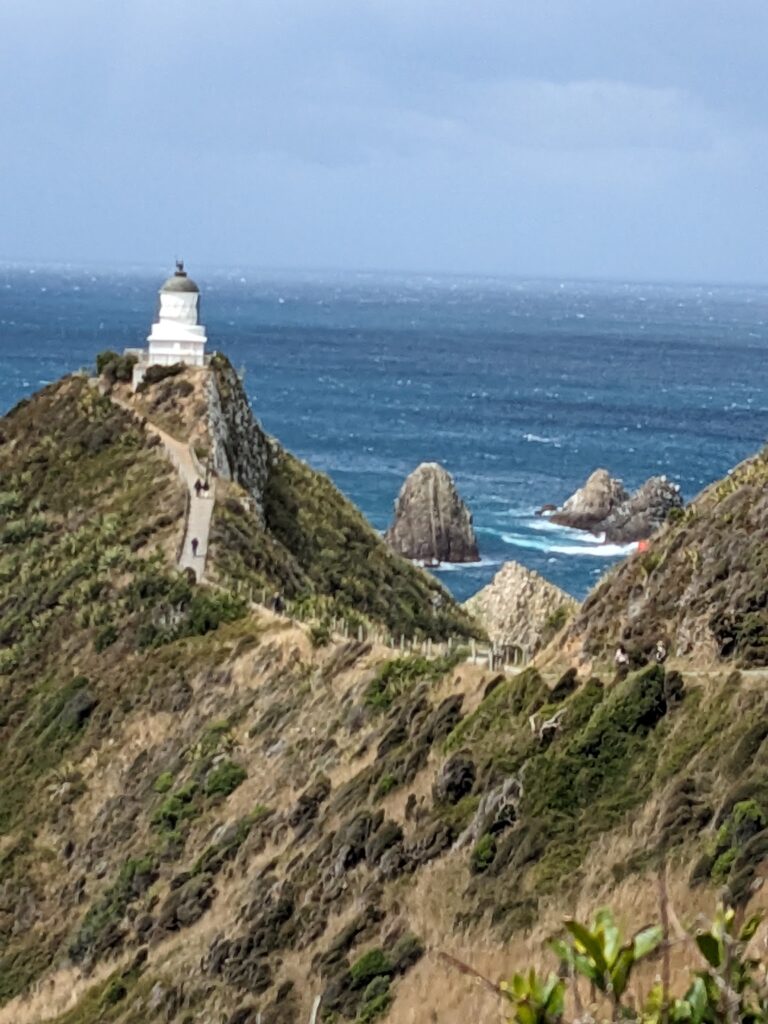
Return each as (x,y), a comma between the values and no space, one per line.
(644,512)
(521,609)
(431,522)
(240,450)
(603,505)
(589,506)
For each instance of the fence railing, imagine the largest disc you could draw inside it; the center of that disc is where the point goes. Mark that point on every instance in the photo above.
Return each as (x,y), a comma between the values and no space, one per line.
(494,655)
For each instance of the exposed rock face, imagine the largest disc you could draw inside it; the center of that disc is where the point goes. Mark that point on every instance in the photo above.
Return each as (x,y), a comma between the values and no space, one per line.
(602,505)
(519,608)
(589,506)
(239,447)
(644,512)
(432,523)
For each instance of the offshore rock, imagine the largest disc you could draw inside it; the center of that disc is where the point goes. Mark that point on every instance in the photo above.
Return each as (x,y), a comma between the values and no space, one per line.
(432,523)
(521,609)
(644,512)
(589,506)
(602,505)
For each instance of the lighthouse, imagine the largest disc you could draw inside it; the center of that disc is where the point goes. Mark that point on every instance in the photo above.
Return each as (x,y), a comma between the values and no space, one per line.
(178,336)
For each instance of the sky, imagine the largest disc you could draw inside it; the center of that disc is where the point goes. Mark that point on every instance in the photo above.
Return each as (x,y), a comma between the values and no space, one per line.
(558,138)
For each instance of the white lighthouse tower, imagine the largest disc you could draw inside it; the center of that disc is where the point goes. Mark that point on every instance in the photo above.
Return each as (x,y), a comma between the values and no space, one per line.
(177,336)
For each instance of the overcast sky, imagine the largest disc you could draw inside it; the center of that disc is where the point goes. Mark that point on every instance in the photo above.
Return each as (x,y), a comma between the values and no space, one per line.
(590,138)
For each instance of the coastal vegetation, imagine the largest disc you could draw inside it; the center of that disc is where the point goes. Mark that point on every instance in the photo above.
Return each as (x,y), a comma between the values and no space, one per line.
(210,812)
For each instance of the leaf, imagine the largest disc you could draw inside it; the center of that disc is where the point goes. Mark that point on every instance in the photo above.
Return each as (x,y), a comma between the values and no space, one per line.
(709,948)
(589,943)
(680,1011)
(646,941)
(696,997)
(611,943)
(750,927)
(621,970)
(587,969)
(562,951)
(555,1003)
(525,1014)
(519,986)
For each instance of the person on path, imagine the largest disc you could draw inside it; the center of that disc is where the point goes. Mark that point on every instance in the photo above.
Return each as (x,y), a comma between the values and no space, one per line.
(621,658)
(194,544)
(198,487)
(661,652)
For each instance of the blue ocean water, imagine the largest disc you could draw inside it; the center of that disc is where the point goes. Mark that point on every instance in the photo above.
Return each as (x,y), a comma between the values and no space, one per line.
(520,388)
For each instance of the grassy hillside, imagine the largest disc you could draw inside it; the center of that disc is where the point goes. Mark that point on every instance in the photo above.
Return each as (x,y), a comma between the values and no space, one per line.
(203,818)
(702,586)
(317,547)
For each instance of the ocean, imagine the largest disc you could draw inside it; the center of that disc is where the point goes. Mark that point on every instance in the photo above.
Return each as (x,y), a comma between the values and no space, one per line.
(519,388)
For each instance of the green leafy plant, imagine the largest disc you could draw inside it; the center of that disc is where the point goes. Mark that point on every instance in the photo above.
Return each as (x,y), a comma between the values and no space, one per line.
(600,954)
(536,1000)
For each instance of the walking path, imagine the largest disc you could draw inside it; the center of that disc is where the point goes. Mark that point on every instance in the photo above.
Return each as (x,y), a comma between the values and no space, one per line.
(200,509)
(198,522)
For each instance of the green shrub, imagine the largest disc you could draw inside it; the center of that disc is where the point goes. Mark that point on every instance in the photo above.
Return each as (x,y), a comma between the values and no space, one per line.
(319,635)
(103,360)
(372,964)
(135,877)
(114,992)
(385,785)
(483,854)
(115,367)
(407,951)
(209,609)
(154,374)
(105,637)
(396,676)
(163,782)
(224,779)
(375,1007)
(176,808)
(19,531)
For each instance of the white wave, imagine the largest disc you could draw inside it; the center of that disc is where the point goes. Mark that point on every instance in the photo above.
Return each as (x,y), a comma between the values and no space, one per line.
(456,566)
(603,551)
(539,439)
(583,536)
(593,547)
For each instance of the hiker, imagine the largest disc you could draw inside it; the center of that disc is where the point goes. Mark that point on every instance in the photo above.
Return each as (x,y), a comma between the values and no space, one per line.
(621,658)
(198,486)
(194,547)
(660,653)
(278,604)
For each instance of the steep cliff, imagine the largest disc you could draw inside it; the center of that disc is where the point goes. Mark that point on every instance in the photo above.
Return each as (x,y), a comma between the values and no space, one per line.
(240,449)
(519,608)
(432,523)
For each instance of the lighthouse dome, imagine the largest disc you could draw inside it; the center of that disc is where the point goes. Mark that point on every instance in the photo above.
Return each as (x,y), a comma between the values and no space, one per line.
(180,282)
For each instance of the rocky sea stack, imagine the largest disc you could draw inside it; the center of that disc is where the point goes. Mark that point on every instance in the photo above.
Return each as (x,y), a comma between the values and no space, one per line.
(521,609)
(432,523)
(603,505)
